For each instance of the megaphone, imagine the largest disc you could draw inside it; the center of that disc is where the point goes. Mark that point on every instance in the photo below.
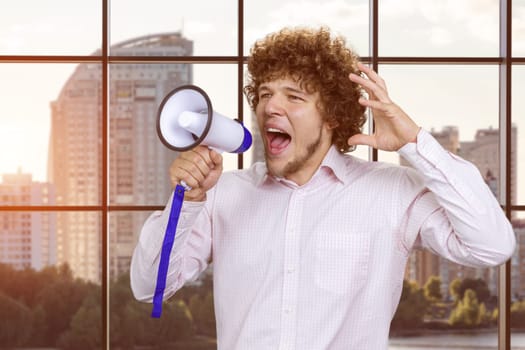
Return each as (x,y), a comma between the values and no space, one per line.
(186,119)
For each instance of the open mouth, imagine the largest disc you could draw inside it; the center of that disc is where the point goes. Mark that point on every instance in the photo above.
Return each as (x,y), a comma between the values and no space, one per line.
(278,140)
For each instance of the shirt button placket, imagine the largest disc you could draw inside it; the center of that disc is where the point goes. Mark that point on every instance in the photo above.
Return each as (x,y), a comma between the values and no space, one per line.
(290,277)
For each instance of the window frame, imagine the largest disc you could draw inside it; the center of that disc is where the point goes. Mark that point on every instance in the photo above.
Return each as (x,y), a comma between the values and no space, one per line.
(505,61)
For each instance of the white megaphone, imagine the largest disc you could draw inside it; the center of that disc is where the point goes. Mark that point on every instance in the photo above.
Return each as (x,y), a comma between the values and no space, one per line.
(186,119)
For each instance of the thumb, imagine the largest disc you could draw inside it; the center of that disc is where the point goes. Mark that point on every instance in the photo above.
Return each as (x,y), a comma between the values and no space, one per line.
(361,139)
(216,158)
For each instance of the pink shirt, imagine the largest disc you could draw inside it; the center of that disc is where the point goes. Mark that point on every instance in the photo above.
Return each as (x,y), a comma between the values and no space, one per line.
(321,266)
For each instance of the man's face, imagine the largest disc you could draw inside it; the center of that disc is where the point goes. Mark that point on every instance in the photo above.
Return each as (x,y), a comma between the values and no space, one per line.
(294,134)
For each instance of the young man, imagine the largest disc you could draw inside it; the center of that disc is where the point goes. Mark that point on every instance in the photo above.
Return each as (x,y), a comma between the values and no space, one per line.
(309,248)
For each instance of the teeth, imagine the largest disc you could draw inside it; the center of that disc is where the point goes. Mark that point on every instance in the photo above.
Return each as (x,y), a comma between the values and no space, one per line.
(275,130)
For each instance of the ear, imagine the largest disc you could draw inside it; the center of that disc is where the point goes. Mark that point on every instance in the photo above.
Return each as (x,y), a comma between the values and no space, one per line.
(332,124)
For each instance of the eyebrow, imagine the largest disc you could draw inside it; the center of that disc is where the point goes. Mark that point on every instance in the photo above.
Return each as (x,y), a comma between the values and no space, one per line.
(286,88)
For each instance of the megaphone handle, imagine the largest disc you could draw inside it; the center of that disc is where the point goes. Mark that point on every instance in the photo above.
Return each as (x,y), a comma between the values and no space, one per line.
(167,245)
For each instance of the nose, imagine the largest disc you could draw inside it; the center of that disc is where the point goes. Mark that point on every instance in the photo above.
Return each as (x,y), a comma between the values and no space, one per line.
(274,106)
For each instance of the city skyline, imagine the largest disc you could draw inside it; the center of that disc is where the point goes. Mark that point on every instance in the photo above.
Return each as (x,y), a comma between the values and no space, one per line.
(449,28)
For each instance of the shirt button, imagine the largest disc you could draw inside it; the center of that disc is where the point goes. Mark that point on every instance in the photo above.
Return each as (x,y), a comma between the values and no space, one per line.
(290,270)
(287,310)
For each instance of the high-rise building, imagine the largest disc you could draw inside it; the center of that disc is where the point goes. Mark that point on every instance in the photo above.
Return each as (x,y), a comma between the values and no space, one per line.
(483,152)
(137,161)
(27,239)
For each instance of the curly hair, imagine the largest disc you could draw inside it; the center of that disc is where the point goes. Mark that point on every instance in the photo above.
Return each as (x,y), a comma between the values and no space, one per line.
(319,63)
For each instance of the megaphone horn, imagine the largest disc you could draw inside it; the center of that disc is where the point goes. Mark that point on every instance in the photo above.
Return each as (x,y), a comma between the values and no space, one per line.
(186,119)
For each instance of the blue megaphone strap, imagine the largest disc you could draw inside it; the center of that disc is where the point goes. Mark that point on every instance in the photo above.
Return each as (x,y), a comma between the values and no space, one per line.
(167,245)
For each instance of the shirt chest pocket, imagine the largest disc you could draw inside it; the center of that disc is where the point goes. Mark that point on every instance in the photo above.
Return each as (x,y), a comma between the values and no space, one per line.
(341,261)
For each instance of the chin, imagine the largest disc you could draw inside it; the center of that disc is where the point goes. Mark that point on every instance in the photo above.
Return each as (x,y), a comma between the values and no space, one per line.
(273,166)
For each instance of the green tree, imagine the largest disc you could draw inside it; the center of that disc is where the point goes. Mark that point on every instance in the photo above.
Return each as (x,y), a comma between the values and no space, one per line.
(202,310)
(455,289)
(126,315)
(432,289)
(478,285)
(469,312)
(25,285)
(39,328)
(517,314)
(85,332)
(412,307)
(60,301)
(175,324)
(14,329)
(131,323)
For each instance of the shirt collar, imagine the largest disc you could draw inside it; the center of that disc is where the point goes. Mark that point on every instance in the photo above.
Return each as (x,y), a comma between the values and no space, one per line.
(335,162)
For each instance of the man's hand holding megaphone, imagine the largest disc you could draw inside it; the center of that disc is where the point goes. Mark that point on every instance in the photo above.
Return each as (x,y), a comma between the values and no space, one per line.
(199,169)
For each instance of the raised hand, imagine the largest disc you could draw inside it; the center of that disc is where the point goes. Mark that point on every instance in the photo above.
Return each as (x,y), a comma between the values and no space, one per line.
(199,169)
(393,127)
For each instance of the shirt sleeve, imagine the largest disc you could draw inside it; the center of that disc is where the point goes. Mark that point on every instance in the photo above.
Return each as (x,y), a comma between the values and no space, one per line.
(455,215)
(190,254)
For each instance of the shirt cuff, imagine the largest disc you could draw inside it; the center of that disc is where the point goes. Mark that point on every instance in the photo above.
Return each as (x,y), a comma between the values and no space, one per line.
(425,154)
(156,227)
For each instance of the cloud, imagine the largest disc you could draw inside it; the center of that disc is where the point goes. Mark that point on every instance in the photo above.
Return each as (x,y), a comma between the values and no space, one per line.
(196,28)
(342,17)
(518,23)
(336,13)
(461,20)
(440,36)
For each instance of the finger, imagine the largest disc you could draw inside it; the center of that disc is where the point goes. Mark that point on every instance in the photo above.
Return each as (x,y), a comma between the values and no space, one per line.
(182,177)
(370,87)
(194,171)
(374,104)
(195,194)
(372,75)
(196,163)
(362,139)
(205,153)
(216,158)
(186,170)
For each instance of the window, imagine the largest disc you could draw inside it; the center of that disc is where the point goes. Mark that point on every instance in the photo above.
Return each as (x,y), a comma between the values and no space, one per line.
(81,84)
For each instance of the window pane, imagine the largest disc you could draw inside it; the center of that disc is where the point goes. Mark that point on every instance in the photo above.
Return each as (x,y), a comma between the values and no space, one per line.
(51,124)
(139,161)
(438,28)
(518,28)
(517,311)
(49,279)
(52,27)
(210,26)
(459,105)
(190,311)
(124,230)
(348,18)
(518,121)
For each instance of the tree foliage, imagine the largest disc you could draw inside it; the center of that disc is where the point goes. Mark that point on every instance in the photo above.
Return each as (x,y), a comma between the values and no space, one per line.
(469,312)
(412,307)
(432,289)
(517,314)
(50,308)
(16,317)
(85,331)
(459,287)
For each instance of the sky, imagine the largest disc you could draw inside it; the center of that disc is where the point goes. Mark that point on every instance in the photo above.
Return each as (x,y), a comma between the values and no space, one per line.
(435,96)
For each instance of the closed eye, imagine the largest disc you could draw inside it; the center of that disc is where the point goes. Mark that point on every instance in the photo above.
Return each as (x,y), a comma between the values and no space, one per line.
(295,98)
